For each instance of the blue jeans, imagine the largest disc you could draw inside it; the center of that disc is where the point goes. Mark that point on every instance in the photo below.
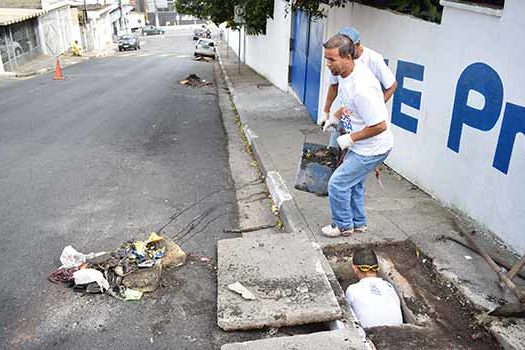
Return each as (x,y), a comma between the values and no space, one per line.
(346,189)
(334,134)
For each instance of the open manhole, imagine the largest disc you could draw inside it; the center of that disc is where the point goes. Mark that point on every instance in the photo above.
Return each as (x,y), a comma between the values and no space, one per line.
(436,315)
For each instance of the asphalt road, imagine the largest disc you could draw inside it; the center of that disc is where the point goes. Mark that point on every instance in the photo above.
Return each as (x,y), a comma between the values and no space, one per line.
(108,155)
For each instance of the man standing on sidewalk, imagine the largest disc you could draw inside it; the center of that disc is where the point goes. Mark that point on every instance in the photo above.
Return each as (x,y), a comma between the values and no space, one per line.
(373,61)
(369,141)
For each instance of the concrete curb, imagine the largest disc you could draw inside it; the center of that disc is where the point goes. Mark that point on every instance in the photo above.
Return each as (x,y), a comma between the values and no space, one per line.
(7,74)
(46,70)
(40,71)
(292,218)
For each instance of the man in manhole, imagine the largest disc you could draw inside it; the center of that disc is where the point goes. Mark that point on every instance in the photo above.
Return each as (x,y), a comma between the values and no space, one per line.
(374,300)
(369,138)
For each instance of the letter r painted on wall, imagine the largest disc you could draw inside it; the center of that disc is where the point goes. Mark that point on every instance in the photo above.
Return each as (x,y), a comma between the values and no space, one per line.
(512,124)
(405,96)
(484,80)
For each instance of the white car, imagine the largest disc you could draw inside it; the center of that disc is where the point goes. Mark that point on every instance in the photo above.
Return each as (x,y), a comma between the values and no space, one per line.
(205,47)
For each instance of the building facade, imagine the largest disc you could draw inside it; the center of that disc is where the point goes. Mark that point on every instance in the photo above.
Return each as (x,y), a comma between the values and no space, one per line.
(458,114)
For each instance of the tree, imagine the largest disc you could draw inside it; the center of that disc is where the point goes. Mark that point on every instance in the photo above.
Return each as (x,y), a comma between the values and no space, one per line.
(429,10)
(257,12)
(426,9)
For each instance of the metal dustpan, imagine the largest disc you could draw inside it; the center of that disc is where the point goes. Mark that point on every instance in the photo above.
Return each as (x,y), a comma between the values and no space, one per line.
(317,164)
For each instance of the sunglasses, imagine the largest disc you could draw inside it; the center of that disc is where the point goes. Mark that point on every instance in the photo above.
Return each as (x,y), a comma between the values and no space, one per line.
(366,268)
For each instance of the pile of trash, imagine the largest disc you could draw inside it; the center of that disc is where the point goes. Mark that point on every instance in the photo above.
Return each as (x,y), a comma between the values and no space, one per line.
(194,80)
(126,273)
(202,59)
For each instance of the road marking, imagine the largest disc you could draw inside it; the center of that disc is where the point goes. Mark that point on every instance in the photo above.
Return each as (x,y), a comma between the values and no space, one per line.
(135,54)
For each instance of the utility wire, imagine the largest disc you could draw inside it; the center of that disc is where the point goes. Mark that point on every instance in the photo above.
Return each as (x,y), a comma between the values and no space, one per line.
(179,213)
(197,220)
(186,238)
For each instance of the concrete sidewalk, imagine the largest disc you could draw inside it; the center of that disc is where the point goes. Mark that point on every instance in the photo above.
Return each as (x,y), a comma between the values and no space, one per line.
(277,125)
(46,63)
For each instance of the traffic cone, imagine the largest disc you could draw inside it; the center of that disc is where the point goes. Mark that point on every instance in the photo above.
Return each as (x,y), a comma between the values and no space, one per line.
(58,71)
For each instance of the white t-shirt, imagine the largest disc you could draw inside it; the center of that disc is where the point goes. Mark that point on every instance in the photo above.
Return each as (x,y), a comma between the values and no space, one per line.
(375,62)
(361,93)
(374,302)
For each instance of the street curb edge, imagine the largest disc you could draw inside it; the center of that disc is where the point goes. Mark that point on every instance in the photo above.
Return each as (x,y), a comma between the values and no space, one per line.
(292,218)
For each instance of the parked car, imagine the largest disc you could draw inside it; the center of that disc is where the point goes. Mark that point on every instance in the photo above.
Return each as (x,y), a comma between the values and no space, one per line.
(205,47)
(201,33)
(128,41)
(152,30)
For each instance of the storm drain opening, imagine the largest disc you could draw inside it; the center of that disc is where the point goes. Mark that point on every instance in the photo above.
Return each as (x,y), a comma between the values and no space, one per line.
(435,313)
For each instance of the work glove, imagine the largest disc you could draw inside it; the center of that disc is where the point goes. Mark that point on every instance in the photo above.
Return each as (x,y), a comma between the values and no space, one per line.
(331,122)
(323,118)
(345,141)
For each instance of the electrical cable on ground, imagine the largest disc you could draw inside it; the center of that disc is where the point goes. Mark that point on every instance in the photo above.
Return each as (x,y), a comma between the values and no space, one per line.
(197,220)
(189,236)
(179,213)
(249,229)
(265,193)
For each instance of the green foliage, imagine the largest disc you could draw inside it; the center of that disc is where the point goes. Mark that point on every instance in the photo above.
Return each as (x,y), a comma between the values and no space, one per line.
(429,10)
(257,12)
(311,7)
(199,9)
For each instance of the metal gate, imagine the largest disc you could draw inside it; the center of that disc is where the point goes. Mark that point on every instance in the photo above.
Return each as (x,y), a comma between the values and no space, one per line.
(306,60)
(19,44)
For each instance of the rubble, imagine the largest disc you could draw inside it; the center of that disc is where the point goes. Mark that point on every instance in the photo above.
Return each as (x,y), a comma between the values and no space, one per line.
(194,80)
(202,59)
(126,273)
(244,292)
(174,255)
(131,294)
(144,280)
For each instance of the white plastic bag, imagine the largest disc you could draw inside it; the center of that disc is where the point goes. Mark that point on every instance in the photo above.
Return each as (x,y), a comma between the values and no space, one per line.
(71,257)
(86,276)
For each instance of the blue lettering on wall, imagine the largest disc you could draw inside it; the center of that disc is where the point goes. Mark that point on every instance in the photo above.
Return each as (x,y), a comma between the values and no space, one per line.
(408,97)
(513,123)
(485,80)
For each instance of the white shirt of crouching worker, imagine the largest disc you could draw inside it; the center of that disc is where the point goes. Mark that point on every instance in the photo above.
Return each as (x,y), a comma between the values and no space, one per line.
(374,302)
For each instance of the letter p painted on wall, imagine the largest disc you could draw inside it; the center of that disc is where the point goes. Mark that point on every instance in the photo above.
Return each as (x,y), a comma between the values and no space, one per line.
(486,81)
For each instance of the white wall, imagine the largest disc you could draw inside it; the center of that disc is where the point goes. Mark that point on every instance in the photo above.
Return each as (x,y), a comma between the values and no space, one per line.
(268,54)
(100,32)
(58,29)
(467,179)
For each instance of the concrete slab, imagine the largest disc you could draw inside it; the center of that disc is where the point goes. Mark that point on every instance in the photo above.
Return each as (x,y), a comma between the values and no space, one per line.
(284,272)
(346,339)
(509,332)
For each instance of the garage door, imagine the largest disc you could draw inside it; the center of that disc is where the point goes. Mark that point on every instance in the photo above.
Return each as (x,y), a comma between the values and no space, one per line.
(306,60)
